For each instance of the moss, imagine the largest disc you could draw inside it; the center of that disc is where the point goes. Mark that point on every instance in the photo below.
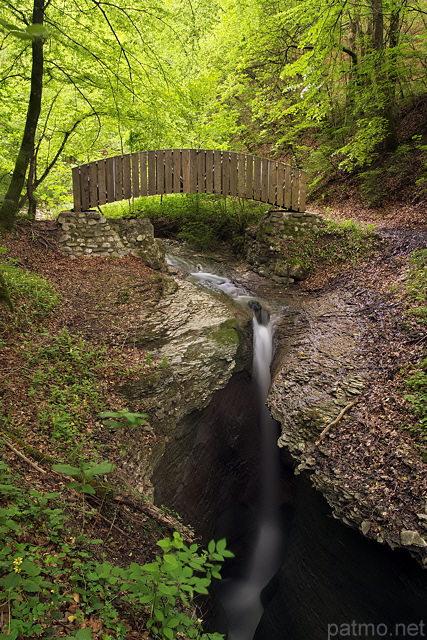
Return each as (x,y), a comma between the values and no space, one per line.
(227,334)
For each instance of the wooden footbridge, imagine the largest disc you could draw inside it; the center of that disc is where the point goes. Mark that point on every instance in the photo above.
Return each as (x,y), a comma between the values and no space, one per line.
(166,171)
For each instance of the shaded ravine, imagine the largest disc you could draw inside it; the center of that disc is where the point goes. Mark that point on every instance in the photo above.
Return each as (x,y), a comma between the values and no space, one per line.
(330,575)
(241,598)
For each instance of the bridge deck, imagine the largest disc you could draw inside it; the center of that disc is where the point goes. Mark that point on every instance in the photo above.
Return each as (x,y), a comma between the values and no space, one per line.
(167,171)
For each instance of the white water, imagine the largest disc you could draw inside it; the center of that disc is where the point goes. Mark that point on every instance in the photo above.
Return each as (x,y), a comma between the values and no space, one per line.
(241,599)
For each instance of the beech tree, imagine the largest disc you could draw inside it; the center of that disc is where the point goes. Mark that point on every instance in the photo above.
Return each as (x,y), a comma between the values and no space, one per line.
(115,77)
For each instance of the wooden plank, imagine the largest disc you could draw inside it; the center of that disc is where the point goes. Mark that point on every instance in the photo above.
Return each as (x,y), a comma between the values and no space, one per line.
(295,189)
(241,175)
(109,179)
(193,171)
(118,178)
(102,196)
(257,178)
(249,182)
(185,156)
(233,174)
(302,191)
(226,173)
(160,172)
(217,172)
(272,182)
(288,187)
(143,173)
(151,162)
(77,195)
(168,181)
(135,175)
(201,171)
(280,200)
(265,166)
(209,171)
(84,178)
(127,190)
(93,184)
(177,171)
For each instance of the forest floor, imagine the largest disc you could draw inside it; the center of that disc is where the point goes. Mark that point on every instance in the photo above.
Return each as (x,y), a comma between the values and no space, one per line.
(100,299)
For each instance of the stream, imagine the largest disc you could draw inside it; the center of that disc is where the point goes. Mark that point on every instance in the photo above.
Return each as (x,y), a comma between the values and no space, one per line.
(302,575)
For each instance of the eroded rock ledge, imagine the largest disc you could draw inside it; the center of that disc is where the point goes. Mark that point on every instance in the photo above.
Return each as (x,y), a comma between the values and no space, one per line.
(369,472)
(201,338)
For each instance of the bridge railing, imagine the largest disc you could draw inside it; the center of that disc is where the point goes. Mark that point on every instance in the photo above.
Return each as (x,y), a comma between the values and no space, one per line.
(168,171)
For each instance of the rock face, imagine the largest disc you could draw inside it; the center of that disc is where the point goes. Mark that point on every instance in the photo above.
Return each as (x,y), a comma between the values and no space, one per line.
(331,577)
(264,252)
(201,339)
(90,234)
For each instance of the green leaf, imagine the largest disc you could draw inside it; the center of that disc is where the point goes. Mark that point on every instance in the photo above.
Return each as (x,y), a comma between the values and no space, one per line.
(220,545)
(83,634)
(10,581)
(37,31)
(31,586)
(87,488)
(66,469)
(22,35)
(10,27)
(99,469)
(211,546)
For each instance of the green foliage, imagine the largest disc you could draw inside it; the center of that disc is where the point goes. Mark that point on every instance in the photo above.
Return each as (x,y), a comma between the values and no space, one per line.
(333,243)
(33,297)
(122,418)
(63,379)
(363,144)
(201,220)
(84,474)
(44,569)
(416,383)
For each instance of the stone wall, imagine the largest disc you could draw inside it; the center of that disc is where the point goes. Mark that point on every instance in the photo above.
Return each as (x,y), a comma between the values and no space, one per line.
(264,251)
(90,234)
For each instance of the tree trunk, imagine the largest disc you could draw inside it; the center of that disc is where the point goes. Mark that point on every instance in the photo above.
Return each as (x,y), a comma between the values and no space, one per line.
(10,207)
(390,140)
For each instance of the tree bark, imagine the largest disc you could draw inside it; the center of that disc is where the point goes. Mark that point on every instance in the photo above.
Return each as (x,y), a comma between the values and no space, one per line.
(10,207)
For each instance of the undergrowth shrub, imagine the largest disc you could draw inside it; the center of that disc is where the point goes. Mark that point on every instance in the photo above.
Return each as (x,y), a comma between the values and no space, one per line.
(416,383)
(202,220)
(32,297)
(49,575)
(63,380)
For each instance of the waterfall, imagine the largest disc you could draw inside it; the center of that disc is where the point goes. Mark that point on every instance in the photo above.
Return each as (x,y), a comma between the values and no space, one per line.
(241,599)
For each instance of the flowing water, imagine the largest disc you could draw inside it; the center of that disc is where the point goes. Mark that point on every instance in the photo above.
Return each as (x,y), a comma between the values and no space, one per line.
(241,598)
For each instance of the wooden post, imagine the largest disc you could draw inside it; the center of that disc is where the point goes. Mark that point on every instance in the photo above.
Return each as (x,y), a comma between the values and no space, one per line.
(217,169)
(249,188)
(127,190)
(109,179)
(84,178)
(209,172)
(265,165)
(257,178)
(233,174)
(168,155)
(102,185)
(152,183)
(143,173)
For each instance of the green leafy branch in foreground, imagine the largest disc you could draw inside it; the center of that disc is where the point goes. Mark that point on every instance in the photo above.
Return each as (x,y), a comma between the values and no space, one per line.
(44,572)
